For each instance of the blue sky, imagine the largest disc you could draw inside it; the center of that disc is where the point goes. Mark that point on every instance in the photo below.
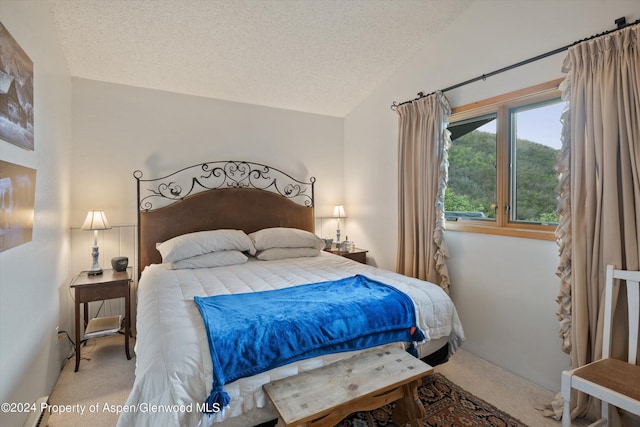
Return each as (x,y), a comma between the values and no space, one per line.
(541,125)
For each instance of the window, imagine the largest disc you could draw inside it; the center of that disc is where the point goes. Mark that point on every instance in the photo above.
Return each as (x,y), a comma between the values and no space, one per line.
(501,164)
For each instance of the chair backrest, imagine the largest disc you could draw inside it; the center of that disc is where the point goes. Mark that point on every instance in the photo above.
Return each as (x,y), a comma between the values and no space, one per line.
(631,278)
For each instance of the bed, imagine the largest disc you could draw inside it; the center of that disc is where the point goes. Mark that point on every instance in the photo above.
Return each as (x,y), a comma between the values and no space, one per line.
(221,202)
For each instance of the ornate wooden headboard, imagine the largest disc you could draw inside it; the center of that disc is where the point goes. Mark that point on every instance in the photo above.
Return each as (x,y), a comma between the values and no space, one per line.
(216,195)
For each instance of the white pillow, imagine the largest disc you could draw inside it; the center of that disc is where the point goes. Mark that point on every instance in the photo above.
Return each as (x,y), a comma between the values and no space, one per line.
(281,237)
(202,242)
(211,259)
(283,253)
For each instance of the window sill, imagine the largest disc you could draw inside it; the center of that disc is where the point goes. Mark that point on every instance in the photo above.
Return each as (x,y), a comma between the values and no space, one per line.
(538,233)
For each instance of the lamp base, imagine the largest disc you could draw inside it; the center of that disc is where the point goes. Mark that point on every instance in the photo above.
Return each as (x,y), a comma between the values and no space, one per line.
(94,272)
(95,269)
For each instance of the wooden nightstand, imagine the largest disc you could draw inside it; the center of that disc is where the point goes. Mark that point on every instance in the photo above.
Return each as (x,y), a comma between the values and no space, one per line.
(359,255)
(108,285)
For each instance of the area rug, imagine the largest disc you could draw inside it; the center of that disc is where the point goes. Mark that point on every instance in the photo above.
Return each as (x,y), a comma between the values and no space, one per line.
(446,404)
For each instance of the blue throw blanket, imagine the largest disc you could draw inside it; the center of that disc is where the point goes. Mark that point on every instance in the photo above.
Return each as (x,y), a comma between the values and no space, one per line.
(254,332)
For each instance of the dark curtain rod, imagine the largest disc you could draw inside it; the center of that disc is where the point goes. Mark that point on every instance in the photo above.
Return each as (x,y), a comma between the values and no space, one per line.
(620,23)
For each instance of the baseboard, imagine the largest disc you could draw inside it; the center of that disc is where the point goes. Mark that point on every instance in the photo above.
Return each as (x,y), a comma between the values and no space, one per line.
(39,417)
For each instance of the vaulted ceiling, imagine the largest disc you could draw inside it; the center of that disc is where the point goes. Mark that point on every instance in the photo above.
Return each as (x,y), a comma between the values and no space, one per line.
(317,56)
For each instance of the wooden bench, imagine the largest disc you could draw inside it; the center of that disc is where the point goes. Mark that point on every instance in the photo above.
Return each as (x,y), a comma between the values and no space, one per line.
(369,380)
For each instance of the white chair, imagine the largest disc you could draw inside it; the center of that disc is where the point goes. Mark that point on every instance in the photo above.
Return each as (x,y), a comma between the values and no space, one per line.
(614,382)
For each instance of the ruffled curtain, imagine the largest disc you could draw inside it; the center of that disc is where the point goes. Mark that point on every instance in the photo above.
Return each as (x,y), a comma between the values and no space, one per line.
(423,143)
(599,189)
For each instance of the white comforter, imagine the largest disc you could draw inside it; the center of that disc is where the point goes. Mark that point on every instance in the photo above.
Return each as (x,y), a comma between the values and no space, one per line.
(173,366)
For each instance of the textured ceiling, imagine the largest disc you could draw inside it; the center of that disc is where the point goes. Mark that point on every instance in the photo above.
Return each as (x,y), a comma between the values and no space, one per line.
(317,56)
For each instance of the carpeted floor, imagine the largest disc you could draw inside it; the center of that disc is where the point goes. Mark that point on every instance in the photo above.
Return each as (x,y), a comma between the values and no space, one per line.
(106,376)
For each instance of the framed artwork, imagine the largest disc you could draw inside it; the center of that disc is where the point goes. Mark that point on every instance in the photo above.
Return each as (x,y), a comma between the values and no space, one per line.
(16,93)
(17,197)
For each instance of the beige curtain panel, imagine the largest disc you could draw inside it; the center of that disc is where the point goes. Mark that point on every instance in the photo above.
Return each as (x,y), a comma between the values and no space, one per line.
(599,188)
(423,141)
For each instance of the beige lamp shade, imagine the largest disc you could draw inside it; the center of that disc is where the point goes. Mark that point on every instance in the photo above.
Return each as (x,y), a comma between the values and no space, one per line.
(338,211)
(96,220)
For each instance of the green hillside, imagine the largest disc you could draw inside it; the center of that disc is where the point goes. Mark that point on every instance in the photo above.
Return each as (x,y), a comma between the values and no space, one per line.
(472,178)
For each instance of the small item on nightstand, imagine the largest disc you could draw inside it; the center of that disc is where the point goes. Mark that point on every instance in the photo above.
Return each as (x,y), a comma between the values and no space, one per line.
(328,243)
(347,245)
(120,263)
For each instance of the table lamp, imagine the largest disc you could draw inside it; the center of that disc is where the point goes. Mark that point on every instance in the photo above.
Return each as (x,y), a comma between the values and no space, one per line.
(338,212)
(96,220)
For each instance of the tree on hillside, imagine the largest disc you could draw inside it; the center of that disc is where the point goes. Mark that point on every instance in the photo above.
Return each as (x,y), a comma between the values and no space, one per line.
(472,178)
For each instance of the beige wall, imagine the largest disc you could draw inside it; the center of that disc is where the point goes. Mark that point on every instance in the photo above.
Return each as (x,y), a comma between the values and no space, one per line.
(33,276)
(118,129)
(503,287)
